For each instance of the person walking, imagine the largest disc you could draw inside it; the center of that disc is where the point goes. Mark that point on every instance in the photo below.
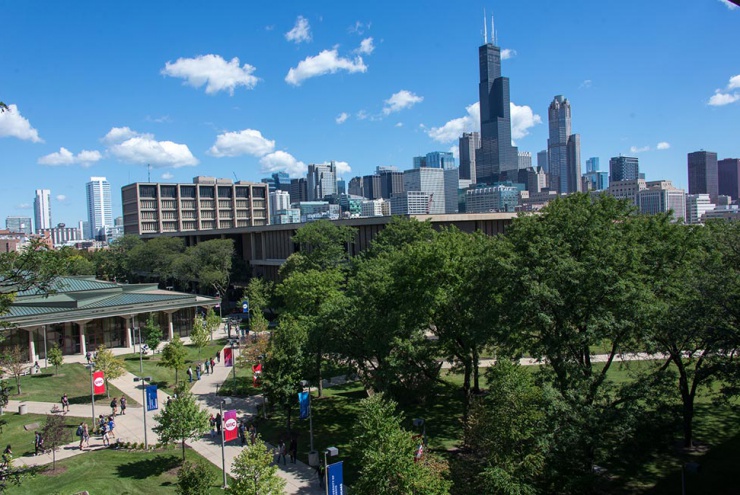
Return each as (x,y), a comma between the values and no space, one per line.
(218,356)
(65,403)
(213,363)
(252,434)
(212,422)
(104,431)
(282,450)
(197,371)
(243,433)
(293,448)
(86,435)
(88,356)
(38,444)
(218,424)
(81,435)
(111,427)
(207,366)
(123,405)
(114,406)
(190,374)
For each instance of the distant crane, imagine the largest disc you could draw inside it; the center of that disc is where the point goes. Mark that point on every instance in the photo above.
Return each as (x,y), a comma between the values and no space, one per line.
(236,179)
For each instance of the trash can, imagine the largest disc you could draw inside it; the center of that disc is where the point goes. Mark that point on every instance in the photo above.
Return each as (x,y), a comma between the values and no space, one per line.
(313,458)
(22,409)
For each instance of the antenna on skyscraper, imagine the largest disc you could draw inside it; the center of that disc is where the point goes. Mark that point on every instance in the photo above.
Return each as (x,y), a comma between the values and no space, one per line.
(149,172)
(485,28)
(493,33)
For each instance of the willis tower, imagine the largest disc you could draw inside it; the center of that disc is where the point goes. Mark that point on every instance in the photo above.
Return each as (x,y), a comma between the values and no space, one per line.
(496,159)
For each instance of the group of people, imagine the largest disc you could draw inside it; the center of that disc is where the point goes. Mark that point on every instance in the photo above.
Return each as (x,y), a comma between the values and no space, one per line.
(207,367)
(107,428)
(114,406)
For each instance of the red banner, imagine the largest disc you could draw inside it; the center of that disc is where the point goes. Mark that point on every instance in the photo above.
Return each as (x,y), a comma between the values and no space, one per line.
(257,368)
(231,430)
(98,383)
(228,357)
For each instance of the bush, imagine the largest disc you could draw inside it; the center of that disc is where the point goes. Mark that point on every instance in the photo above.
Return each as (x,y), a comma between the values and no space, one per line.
(195,478)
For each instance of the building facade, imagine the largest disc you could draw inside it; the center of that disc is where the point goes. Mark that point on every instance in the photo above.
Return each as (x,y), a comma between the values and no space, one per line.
(391,182)
(321,181)
(205,205)
(42,209)
(469,144)
(728,177)
(411,203)
(99,208)
(279,201)
(61,234)
(661,197)
(627,189)
(697,205)
(496,199)
(375,208)
(624,168)
(525,160)
(428,180)
(703,179)
(18,224)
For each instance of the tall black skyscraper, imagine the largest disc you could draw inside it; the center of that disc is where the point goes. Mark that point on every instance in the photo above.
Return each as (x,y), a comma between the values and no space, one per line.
(624,168)
(703,174)
(496,156)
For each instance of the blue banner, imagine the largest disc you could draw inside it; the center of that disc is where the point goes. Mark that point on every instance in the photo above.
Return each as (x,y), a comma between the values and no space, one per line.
(305,404)
(335,477)
(245,306)
(151,398)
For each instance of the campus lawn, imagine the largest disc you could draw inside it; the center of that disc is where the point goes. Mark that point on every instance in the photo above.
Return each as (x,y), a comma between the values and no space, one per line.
(163,377)
(242,387)
(114,471)
(21,440)
(73,379)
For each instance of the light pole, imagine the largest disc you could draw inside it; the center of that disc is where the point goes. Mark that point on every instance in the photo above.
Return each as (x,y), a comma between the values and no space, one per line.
(331,451)
(90,366)
(232,343)
(143,381)
(141,355)
(46,354)
(225,400)
(305,384)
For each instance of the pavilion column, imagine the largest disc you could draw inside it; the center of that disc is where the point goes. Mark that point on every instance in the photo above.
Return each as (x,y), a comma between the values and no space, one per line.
(129,329)
(170,326)
(31,347)
(83,344)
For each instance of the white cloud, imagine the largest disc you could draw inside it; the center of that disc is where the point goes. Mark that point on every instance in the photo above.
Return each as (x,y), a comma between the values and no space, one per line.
(23,206)
(342,118)
(301,31)
(13,124)
(399,101)
(326,62)
(641,149)
(455,150)
(168,176)
(213,71)
(734,82)
(61,198)
(522,119)
(132,147)
(361,115)
(719,99)
(246,142)
(663,145)
(399,124)
(507,53)
(366,47)
(359,28)
(729,4)
(282,161)
(585,84)
(343,168)
(66,157)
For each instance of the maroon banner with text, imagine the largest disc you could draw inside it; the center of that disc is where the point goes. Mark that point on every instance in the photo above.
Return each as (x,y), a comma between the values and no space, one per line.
(228,357)
(230,425)
(98,383)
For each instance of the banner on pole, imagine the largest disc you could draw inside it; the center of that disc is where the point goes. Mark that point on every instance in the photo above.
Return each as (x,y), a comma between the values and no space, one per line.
(228,357)
(230,425)
(335,478)
(98,383)
(305,405)
(151,398)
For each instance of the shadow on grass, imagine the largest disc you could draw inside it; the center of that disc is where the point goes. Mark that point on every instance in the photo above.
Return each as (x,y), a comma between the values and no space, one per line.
(157,466)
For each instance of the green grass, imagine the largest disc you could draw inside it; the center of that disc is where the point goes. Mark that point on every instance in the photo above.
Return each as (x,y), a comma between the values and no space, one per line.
(73,379)
(114,471)
(243,385)
(21,441)
(163,377)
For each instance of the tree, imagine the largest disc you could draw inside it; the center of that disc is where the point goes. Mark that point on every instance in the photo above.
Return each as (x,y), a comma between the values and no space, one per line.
(173,356)
(111,366)
(323,245)
(152,332)
(195,478)
(56,357)
(254,472)
(207,264)
(55,435)
(14,361)
(182,419)
(113,263)
(387,451)
(155,258)
(200,336)
(259,293)
(212,321)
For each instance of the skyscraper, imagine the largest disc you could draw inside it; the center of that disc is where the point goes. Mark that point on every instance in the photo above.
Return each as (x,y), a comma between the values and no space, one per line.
(592,164)
(563,148)
(542,161)
(42,209)
(469,144)
(624,168)
(391,181)
(430,181)
(99,208)
(525,160)
(728,177)
(703,174)
(322,181)
(496,156)
(18,224)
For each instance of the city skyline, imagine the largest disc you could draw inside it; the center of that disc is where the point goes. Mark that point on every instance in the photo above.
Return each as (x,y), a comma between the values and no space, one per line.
(314,83)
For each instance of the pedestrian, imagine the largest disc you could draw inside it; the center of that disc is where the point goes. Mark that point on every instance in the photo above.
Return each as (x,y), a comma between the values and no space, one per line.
(86,435)
(7,457)
(212,422)
(169,400)
(37,367)
(114,406)
(282,450)
(104,431)
(38,444)
(252,434)
(190,374)
(243,433)
(111,427)
(213,363)
(123,405)
(218,423)
(293,449)
(197,371)
(65,403)
(81,435)
(88,356)
(101,424)
(207,366)
(218,356)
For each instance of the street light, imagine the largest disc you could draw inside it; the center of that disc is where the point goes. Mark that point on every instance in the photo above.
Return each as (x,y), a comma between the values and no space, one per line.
(305,384)
(225,400)
(232,343)
(141,353)
(91,366)
(143,381)
(331,451)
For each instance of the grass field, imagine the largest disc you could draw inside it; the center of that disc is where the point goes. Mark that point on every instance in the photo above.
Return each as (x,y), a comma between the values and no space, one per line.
(21,439)
(114,471)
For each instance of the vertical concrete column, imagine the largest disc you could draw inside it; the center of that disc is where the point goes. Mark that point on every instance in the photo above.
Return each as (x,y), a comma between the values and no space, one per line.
(31,347)
(129,329)
(83,344)
(170,327)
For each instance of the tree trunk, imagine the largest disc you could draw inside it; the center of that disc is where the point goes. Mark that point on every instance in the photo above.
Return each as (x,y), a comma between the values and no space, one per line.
(183,450)
(466,389)
(476,374)
(687,400)
(318,372)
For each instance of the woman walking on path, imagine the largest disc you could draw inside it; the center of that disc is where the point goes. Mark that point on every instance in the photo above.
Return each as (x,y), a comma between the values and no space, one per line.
(114,406)
(65,403)
(123,405)
(86,435)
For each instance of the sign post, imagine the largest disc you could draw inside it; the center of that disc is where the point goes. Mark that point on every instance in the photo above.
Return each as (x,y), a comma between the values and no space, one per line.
(230,425)
(335,479)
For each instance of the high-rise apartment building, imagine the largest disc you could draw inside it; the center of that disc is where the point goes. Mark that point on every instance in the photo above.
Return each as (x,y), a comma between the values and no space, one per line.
(496,156)
(592,164)
(99,208)
(661,196)
(428,180)
(525,160)
(208,204)
(42,209)
(20,225)
(563,148)
(321,180)
(703,174)
(624,168)
(728,177)
(468,146)
(391,181)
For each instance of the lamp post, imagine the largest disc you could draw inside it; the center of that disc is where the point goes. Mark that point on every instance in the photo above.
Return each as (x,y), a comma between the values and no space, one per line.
(233,343)
(331,451)
(141,354)
(90,366)
(225,400)
(305,384)
(143,381)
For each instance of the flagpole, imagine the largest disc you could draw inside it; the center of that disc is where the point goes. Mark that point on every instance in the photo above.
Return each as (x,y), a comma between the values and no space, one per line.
(92,393)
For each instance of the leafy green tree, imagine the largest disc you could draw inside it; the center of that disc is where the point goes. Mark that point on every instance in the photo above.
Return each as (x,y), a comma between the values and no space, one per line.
(152,332)
(55,435)
(155,258)
(182,419)
(323,245)
(259,294)
(284,368)
(212,321)
(111,366)
(207,264)
(254,472)
(200,336)
(113,263)
(56,358)
(14,362)
(173,356)
(195,478)
(401,231)
(387,451)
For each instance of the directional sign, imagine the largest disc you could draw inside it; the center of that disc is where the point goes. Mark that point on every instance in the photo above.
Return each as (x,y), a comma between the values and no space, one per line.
(335,478)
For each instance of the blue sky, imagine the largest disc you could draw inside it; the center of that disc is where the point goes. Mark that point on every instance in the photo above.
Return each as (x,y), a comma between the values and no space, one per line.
(242,88)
